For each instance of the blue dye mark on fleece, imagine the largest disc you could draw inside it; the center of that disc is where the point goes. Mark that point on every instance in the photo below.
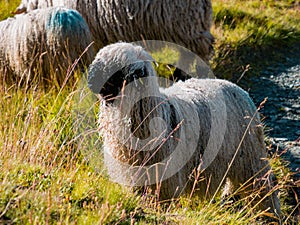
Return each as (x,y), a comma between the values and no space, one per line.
(65,19)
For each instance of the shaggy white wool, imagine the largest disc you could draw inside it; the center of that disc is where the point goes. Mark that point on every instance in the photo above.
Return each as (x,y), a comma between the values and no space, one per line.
(184,22)
(160,137)
(44,40)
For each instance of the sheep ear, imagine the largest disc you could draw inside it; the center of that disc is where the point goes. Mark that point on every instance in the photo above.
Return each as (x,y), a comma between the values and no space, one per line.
(20,10)
(99,73)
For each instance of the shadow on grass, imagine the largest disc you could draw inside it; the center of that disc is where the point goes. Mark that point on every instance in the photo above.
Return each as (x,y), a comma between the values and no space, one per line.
(266,43)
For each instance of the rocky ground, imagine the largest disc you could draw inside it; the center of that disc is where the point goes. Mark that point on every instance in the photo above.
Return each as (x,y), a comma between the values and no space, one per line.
(281,112)
(280,83)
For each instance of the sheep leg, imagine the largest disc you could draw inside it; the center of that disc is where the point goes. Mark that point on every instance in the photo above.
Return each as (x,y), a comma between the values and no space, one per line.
(270,200)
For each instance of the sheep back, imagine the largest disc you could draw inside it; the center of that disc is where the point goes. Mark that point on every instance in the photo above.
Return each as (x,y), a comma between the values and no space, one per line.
(186,23)
(223,112)
(44,41)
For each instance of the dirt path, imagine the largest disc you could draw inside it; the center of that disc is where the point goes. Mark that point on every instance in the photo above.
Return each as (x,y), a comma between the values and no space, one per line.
(280,83)
(282,110)
(281,114)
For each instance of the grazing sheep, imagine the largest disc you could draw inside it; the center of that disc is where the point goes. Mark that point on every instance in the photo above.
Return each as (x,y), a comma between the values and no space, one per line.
(162,137)
(42,41)
(184,22)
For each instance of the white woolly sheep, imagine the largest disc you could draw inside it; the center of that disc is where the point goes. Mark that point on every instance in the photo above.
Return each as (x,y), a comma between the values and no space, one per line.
(44,40)
(160,137)
(184,22)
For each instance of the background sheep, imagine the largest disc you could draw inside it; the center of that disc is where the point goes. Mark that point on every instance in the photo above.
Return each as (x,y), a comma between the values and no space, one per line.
(184,22)
(160,137)
(44,40)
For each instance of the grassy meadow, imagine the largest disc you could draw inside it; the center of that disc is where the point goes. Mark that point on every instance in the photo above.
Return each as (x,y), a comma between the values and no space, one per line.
(51,171)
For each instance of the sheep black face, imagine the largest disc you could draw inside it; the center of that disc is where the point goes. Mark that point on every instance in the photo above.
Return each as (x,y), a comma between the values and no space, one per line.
(113,87)
(131,73)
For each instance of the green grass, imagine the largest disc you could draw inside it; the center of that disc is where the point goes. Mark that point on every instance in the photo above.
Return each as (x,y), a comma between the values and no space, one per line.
(253,33)
(48,174)
(7,6)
